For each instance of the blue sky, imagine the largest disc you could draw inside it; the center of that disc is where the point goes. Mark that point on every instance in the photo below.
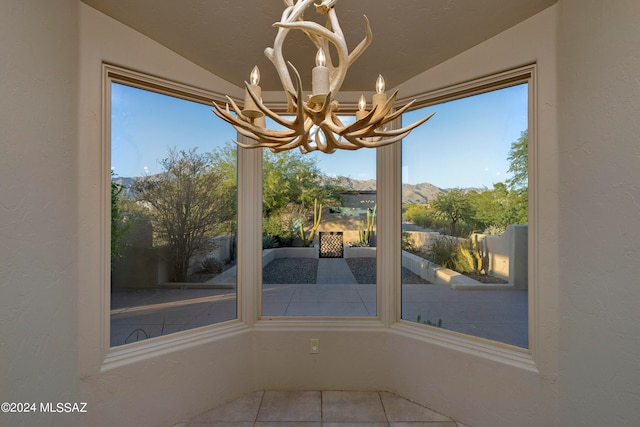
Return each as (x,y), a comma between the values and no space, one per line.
(145,125)
(465,144)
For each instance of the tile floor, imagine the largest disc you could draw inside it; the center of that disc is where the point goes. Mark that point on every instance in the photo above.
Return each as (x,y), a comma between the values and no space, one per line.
(321,408)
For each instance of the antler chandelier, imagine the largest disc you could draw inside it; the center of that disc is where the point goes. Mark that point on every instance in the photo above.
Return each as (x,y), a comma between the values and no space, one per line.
(316,124)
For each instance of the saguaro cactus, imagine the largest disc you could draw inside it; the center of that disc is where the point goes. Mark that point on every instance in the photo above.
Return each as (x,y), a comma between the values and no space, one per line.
(307,238)
(479,255)
(365,233)
(473,251)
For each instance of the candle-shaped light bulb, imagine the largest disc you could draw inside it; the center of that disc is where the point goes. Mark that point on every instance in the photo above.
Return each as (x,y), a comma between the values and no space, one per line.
(362,108)
(320,79)
(379,98)
(380,84)
(250,109)
(254,78)
(362,103)
(321,59)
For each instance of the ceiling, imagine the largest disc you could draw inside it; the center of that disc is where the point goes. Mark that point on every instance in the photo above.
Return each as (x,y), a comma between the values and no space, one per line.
(228,37)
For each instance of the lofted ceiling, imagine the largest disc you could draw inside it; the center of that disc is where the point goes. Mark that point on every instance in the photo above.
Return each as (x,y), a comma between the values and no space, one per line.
(228,37)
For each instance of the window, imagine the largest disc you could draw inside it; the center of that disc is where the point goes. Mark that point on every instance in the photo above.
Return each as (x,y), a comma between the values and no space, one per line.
(465,214)
(319,234)
(173,214)
(170,155)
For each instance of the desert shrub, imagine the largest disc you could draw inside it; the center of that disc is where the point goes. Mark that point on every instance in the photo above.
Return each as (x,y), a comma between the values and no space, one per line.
(448,253)
(272,225)
(455,207)
(119,225)
(494,230)
(407,242)
(210,265)
(418,215)
(437,324)
(269,242)
(279,228)
(443,251)
(464,229)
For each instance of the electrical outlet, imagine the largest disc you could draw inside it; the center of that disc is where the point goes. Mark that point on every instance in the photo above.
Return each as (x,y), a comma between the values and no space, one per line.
(314,345)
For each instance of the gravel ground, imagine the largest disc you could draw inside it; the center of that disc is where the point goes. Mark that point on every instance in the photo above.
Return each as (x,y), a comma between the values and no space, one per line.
(364,269)
(303,271)
(290,271)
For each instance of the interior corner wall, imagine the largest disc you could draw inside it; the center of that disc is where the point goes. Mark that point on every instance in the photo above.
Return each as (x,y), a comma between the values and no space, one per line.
(476,391)
(269,356)
(599,111)
(177,384)
(350,359)
(587,189)
(38,209)
(471,388)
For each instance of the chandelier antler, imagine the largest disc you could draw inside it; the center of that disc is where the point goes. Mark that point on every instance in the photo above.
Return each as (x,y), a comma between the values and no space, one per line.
(316,125)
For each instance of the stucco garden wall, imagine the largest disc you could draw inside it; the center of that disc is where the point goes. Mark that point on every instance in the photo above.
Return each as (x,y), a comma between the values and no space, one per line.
(506,255)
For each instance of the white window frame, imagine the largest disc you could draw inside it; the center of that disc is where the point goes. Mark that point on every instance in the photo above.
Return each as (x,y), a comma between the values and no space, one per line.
(389,263)
(521,357)
(127,353)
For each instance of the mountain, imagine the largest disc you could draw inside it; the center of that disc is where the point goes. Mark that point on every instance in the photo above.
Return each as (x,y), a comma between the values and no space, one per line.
(124,181)
(419,193)
(352,184)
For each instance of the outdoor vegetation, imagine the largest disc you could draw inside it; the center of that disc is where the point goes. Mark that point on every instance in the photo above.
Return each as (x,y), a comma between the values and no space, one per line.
(188,204)
(458,213)
(119,226)
(193,200)
(181,214)
(294,194)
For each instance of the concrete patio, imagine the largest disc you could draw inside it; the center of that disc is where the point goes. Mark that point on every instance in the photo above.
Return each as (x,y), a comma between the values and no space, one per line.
(498,314)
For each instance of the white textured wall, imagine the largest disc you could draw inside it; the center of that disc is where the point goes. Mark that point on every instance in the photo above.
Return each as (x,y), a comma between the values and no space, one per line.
(476,390)
(166,385)
(38,207)
(588,291)
(599,221)
(274,354)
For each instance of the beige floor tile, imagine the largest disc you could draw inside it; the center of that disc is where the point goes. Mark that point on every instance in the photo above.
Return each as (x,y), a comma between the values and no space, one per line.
(316,409)
(242,409)
(423,424)
(289,424)
(338,424)
(352,406)
(290,406)
(221,424)
(399,410)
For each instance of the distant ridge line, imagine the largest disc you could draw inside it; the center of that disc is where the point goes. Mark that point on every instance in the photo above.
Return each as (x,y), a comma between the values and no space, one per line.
(411,193)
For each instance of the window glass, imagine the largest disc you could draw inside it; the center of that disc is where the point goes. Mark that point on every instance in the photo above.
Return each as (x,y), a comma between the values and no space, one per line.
(173,216)
(465,216)
(319,233)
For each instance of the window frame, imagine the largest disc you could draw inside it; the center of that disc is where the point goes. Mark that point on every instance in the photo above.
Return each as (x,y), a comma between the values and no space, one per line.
(345,110)
(124,354)
(249,283)
(523,357)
